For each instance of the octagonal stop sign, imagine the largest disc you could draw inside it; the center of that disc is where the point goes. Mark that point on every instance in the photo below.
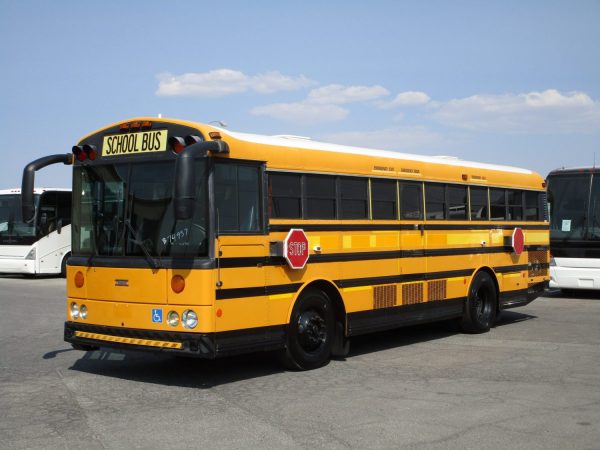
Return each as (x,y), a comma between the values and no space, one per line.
(295,248)
(518,241)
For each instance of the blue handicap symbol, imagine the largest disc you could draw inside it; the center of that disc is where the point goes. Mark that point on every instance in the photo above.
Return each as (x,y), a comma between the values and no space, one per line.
(157,315)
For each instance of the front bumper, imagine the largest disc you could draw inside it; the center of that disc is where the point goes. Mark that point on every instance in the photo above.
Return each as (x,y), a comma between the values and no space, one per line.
(17,265)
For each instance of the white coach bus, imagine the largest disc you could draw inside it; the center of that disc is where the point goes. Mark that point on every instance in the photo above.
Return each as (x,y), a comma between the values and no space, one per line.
(41,246)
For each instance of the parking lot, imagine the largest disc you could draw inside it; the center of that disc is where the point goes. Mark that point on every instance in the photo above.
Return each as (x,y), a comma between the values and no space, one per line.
(532,382)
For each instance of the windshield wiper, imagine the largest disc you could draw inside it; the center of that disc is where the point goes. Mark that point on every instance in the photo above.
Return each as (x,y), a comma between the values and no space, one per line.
(136,240)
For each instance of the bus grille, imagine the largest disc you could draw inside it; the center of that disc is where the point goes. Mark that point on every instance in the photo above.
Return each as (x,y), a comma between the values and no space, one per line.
(538,263)
(384,296)
(436,290)
(412,293)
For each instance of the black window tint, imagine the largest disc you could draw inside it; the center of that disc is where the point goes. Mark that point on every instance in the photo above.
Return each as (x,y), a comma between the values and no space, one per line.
(457,202)
(411,201)
(515,204)
(532,205)
(320,197)
(497,204)
(237,193)
(479,203)
(435,204)
(47,213)
(383,199)
(354,195)
(285,190)
(64,207)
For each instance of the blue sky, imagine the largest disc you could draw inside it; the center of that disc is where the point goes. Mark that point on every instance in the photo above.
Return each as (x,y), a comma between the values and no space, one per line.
(509,82)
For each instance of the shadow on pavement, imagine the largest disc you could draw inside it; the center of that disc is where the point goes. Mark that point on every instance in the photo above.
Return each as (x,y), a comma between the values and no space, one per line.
(199,373)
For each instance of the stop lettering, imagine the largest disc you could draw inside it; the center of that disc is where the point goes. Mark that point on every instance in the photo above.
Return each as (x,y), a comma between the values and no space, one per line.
(295,248)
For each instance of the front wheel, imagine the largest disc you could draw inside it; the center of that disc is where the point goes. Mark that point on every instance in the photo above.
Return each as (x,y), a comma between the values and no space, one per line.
(480,309)
(310,332)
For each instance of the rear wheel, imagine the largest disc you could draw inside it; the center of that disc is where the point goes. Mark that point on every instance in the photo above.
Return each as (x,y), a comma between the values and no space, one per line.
(482,300)
(310,332)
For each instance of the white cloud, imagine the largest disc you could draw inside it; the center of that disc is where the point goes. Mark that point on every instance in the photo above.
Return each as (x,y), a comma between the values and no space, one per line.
(221,82)
(535,112)
(302,112)
(408,98)
(336,94)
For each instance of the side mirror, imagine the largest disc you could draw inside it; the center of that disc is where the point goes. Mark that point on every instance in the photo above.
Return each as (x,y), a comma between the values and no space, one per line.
(184,194)
(27,203)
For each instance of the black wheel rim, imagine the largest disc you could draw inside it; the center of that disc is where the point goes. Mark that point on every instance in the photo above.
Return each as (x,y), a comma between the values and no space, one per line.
(312,331)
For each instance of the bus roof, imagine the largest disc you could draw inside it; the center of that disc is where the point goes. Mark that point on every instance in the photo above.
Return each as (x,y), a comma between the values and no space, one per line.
(574,170)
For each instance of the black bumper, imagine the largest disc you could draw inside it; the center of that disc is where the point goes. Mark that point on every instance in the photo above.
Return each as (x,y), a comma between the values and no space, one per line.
(522,297)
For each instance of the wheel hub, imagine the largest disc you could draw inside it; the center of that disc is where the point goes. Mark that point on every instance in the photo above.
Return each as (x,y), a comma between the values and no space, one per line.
(312,331)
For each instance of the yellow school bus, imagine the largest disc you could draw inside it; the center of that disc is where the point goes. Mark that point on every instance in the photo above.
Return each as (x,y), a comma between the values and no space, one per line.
(202,242)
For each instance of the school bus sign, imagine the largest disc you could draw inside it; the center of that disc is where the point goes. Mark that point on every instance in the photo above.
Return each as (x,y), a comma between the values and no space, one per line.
(295,248)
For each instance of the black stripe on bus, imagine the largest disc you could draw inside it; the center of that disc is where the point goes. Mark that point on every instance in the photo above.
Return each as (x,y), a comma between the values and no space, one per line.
(259,291)
(252,261)
(402,227)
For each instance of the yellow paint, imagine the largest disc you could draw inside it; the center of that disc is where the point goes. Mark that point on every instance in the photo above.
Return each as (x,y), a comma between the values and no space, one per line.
(126,340)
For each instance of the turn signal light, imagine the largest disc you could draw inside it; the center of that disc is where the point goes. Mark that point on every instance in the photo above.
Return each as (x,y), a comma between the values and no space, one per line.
(78,152)
(177,284)
(177,144)
(90,152)
(79,279)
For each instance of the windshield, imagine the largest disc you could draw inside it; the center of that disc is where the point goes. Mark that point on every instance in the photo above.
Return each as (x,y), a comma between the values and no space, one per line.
(568,204)
(12,228)
(127,210)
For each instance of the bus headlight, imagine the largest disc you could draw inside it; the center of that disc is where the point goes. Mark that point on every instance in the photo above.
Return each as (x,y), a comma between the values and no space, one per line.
(31,254)
(173,318)
(83,312)
(189,319)
(74,311)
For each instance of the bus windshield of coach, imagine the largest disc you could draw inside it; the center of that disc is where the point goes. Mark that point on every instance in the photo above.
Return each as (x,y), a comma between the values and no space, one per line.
(568,206)
(126,209)
(12,227)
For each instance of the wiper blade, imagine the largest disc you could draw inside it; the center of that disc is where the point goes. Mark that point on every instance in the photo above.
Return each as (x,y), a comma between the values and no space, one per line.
(137,241)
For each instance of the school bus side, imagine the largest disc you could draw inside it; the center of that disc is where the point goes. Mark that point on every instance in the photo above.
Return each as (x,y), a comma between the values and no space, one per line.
(412,243)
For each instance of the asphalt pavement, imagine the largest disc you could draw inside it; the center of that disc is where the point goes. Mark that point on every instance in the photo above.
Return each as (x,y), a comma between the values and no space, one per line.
(533,382)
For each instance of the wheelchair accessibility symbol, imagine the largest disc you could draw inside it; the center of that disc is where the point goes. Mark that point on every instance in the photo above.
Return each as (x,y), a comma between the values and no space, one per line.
(157,316)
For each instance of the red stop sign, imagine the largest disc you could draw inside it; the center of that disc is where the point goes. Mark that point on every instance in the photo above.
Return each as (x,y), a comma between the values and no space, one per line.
(295,248)
(518,241)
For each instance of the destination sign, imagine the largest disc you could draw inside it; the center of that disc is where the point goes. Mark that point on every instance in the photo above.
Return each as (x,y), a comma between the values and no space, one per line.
(135,143)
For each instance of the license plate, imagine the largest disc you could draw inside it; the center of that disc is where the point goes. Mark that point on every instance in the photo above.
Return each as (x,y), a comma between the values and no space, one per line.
(135,143)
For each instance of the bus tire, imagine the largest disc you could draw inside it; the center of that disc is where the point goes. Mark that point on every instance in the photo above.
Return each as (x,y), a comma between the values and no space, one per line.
(480,308)
(310,332)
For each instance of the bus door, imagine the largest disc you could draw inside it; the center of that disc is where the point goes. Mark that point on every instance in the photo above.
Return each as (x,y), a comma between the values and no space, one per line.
(240,249)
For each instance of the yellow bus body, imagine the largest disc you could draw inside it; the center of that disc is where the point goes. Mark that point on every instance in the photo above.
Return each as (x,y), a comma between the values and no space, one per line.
(369,264)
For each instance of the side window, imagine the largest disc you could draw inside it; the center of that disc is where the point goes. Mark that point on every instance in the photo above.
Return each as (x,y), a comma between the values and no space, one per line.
(237,198)
(479,203)
(47,214)
(354,193)
(532,205)
(457,202)
(384,199)
(64,207)
(285,193)
(515,204)
(497,204)
(320,197)
(411,201)
(435,202)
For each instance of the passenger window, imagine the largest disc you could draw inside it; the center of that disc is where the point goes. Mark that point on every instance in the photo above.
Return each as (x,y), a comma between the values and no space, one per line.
(320,197)
(498,204)
(286,195)
(411,201)
(532,206)
(457,202)
(237,198)
(515,204)
(384,199)
(479,203)
(435,202)
(354,193)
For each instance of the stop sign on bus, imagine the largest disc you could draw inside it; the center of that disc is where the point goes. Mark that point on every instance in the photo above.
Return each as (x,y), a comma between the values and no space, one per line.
(295,248)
